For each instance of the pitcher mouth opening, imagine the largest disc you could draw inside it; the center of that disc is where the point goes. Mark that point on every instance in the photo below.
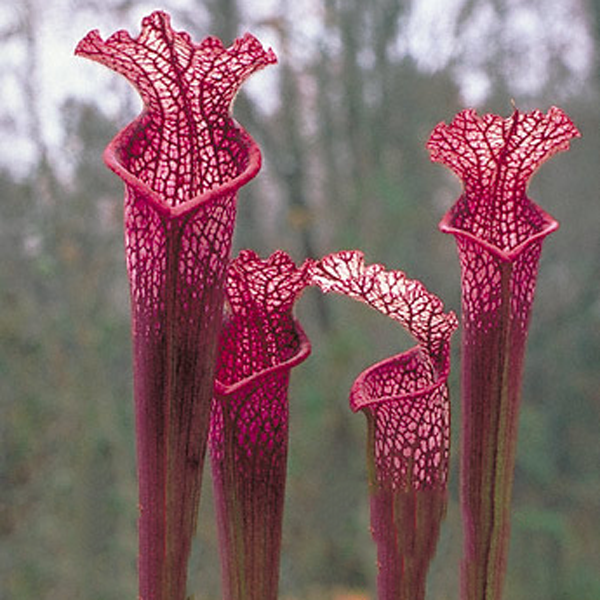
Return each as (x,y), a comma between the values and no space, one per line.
(550,224)
(112,159)
(302,352)
(362,396)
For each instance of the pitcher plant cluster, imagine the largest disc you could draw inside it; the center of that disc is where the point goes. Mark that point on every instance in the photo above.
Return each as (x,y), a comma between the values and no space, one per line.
(215,338)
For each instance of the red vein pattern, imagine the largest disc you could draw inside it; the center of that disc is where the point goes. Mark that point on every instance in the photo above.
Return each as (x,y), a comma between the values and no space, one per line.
(499,232)
(182,161)
(260,343)
(405,399)
(495,158)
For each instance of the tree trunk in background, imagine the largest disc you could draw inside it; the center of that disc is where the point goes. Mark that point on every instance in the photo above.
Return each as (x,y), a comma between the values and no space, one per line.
(594,9)
(292,166)
(288,151)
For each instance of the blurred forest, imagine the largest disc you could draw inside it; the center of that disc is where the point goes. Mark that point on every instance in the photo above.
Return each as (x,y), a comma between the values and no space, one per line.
(342,121)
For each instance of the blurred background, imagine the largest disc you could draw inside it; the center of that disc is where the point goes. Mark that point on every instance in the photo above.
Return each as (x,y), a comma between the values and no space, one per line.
(342,121)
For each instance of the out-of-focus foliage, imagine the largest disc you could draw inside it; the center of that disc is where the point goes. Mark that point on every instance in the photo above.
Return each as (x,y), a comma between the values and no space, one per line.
(67,499)
(342,122)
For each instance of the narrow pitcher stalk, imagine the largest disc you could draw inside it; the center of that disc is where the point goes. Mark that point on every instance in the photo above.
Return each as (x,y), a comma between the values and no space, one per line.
(260,343)
(499,232)
(406,403)
(182,161)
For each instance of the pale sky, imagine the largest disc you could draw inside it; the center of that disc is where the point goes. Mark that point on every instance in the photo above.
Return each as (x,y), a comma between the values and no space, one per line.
(429,37)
